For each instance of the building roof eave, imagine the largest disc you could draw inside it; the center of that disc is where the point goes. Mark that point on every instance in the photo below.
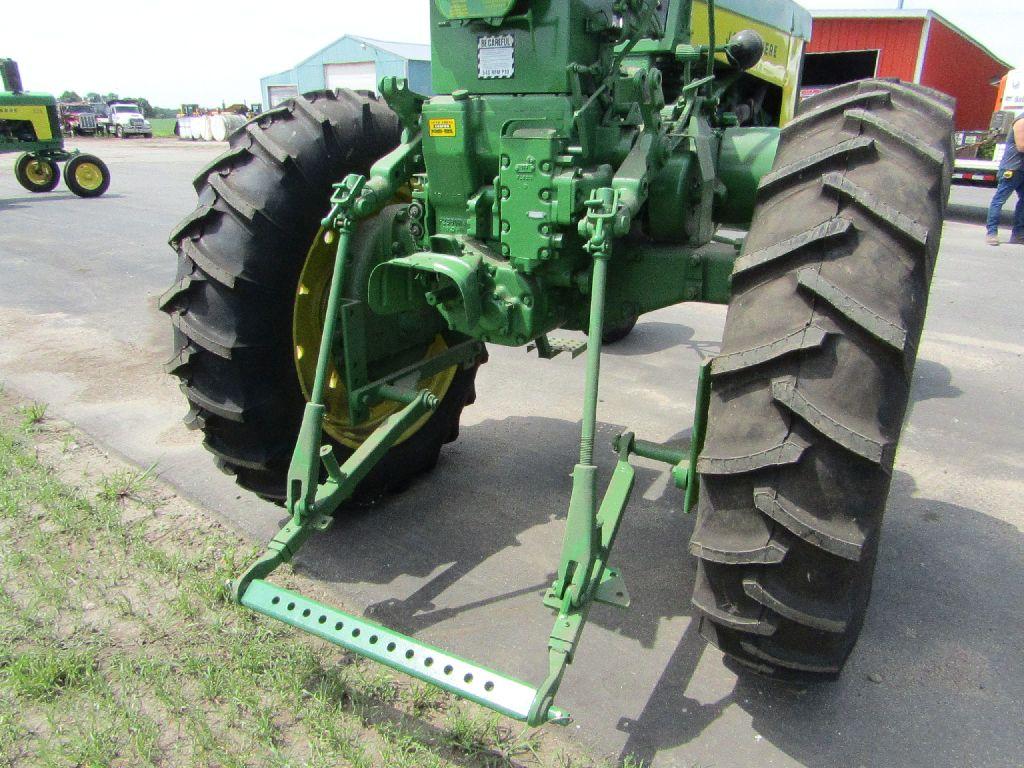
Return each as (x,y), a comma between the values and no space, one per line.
(908,13)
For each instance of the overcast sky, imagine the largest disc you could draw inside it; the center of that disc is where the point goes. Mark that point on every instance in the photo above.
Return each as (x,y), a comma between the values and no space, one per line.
(174,52)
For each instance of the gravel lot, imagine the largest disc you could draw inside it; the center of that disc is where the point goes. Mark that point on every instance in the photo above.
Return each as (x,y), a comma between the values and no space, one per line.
(461,558)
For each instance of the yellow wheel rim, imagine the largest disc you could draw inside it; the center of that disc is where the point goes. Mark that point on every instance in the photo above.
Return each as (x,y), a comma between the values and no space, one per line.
(89,176)
(307,330)
(39,173)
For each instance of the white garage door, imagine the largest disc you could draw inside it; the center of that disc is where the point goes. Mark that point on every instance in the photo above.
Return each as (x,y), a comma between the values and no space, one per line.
(280,93)
(359,76)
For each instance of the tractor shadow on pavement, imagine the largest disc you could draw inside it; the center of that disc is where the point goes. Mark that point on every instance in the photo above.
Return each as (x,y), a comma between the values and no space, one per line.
(13,204)
(462,558)
(501,491)
(932,381)
(935,670)
(652,336)
(977,213)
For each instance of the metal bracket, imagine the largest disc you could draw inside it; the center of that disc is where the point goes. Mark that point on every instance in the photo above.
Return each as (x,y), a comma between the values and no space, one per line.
(612,590)
(682,459)
(406,103)
(548,348)
(362,396)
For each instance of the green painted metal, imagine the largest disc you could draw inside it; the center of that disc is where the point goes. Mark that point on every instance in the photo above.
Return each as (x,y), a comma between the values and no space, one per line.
(28,121)
(700,426)
(475,9)
(573,177)
(682,460)
(304,470)
(653,451)
(549,38)
(424,662)
(745,156)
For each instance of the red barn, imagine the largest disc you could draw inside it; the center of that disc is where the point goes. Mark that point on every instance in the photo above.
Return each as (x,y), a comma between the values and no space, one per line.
(918,46)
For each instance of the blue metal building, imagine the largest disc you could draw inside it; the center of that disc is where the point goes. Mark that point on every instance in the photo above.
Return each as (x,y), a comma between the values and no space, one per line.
(351,62)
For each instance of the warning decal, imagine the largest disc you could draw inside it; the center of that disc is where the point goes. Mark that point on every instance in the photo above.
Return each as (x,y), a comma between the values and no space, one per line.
(442,127)
(496,57)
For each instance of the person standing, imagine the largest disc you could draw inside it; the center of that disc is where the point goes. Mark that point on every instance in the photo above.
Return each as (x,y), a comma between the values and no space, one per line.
(1011,179)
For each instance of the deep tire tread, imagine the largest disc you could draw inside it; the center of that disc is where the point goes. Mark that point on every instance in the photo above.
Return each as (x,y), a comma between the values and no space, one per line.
(811,387)
(824,234)
(198,254)
(786,452)
(790,605)
(870,448)
(723,608)
(814,111)
(897,221)
(841,537)
(891,131)
(809,337)
(797,170)
(239,255)
(871,322)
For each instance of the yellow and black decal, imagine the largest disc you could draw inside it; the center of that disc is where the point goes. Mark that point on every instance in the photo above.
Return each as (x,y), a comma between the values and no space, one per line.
(442,127)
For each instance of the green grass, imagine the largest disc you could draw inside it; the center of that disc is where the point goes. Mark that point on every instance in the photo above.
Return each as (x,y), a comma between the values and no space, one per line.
(46,673)
(32,414)
(163,127)
(125,484)
(119,644)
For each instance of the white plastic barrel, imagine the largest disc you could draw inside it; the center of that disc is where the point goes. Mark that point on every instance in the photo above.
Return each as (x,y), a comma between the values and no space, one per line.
(204,128)
(222,126)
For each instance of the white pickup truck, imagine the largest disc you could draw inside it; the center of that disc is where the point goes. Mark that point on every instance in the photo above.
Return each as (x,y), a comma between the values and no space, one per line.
(126,120)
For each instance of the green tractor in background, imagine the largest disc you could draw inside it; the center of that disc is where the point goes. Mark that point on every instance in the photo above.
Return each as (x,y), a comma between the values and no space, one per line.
(350,258)
(30,124)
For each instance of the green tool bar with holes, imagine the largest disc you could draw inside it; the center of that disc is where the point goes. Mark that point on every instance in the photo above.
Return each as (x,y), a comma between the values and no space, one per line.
(424,662)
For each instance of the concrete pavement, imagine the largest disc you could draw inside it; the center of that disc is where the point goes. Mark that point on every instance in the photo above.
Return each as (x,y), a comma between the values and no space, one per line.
(460,558)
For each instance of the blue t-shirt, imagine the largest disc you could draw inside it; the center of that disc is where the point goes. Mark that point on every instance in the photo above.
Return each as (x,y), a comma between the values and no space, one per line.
(1013,158)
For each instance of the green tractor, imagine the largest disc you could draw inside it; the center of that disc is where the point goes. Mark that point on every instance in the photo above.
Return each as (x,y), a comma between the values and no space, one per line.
(350,258)
(30,124)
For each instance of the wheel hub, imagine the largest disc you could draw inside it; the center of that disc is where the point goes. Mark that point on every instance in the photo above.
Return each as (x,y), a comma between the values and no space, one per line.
(89,176)
(39,172)
(388,349)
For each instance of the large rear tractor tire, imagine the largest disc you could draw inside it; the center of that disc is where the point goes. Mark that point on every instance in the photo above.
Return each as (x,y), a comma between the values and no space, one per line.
(240,256)
(811,388)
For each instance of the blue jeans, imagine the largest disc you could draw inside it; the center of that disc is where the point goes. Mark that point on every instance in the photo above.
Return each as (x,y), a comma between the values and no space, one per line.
(1006,188)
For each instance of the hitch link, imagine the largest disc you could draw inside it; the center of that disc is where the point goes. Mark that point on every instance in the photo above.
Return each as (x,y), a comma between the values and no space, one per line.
(583,573)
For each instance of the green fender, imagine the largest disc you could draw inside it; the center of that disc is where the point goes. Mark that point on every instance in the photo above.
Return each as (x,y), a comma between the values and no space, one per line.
(394,288)
(745,156)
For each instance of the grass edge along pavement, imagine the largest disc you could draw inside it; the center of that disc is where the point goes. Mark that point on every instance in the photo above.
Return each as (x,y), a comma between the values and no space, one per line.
(119,645)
